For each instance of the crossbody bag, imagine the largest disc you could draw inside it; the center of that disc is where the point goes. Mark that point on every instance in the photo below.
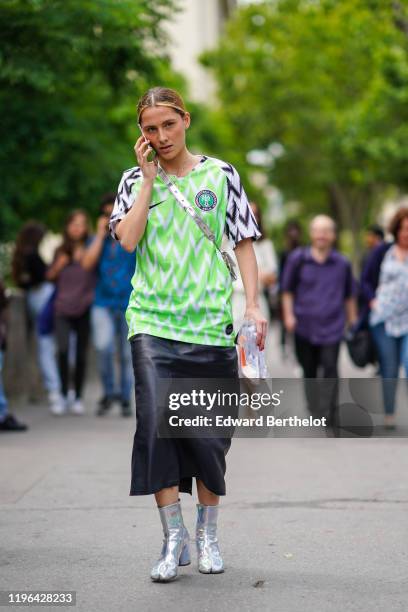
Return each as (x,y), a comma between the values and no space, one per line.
(190,210)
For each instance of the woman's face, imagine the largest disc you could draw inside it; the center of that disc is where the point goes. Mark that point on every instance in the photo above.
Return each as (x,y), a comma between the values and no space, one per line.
(77,227)
(165,128)
(402,237)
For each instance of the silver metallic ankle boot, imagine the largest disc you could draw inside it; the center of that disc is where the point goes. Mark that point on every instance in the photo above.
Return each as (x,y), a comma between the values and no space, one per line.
(175,550)
(208,553)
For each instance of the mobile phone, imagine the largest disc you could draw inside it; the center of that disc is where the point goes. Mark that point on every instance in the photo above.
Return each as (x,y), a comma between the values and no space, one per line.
(153,152)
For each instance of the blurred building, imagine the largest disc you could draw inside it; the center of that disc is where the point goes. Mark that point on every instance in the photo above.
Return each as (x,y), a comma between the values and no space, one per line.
(194,29)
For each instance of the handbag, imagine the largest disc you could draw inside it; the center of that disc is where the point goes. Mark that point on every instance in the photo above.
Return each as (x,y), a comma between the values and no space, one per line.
(361,347)
(189,209)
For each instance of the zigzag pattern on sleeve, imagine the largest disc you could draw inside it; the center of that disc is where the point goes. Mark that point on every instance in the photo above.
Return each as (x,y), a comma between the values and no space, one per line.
(240,222)
(124,197)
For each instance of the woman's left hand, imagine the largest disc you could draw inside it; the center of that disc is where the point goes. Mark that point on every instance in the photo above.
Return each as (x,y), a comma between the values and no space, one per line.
(254,313)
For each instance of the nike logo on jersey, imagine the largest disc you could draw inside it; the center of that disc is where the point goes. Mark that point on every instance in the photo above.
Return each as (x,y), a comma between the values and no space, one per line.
(153,205)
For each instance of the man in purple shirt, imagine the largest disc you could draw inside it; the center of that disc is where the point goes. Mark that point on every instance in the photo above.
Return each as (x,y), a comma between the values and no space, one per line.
(317,299)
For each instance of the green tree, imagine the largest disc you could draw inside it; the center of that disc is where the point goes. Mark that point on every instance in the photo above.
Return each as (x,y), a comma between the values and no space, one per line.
(328,80)
(70,75)
(212,135)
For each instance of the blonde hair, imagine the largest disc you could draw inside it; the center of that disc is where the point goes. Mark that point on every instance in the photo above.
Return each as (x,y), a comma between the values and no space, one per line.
(161,96)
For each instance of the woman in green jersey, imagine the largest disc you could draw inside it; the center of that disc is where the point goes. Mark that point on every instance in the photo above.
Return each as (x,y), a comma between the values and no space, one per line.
(179,313)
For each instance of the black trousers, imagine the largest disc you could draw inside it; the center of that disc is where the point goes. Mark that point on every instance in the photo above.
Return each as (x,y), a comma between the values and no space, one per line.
(319,360)
(159,462)
(63,327)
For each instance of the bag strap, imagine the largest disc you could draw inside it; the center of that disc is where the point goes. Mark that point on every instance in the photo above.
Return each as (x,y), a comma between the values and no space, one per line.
(190,210)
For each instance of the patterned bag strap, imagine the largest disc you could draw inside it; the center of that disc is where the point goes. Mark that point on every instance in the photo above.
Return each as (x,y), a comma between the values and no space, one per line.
(189,209)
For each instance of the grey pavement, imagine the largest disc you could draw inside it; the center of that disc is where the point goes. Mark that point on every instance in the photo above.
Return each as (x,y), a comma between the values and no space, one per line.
(312,523)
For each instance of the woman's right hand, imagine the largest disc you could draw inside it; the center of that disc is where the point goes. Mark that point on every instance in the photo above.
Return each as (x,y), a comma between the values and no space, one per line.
(142,149)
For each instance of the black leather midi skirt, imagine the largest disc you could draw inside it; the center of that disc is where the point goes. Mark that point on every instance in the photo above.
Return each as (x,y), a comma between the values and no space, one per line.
(157,462)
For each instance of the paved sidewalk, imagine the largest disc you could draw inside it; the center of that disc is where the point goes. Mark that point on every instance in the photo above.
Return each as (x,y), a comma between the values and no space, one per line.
(317,524)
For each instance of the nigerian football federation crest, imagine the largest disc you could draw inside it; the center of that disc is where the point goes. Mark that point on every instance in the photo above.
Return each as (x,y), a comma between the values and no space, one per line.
(206,200)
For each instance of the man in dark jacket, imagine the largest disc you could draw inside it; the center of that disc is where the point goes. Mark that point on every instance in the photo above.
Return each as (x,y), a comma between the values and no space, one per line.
(370,276)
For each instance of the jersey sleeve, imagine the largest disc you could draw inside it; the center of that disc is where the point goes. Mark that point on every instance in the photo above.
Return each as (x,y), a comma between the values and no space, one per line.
(240,222)
(128,187)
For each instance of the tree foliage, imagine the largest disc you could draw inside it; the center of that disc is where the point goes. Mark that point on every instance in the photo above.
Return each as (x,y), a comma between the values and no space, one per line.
(328,79)
(70,75)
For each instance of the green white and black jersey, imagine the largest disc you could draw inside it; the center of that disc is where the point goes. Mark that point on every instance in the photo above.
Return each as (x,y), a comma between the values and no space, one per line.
(181,286)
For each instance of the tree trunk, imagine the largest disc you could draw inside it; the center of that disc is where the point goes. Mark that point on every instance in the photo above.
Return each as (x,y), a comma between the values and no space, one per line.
(350,207)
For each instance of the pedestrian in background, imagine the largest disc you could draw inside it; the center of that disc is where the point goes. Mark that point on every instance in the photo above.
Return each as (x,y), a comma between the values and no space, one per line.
(374,236)
(8,422)
(389,313)
(114,268)
(74,296)
(267,274)
(293,240)
(318,298)
(29,273)
(369,279)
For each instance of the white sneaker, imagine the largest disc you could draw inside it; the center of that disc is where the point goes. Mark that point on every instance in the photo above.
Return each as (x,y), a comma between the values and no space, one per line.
(77,407)
(56,403)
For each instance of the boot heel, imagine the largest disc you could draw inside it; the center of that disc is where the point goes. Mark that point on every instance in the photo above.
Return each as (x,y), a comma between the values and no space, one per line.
(185,558)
